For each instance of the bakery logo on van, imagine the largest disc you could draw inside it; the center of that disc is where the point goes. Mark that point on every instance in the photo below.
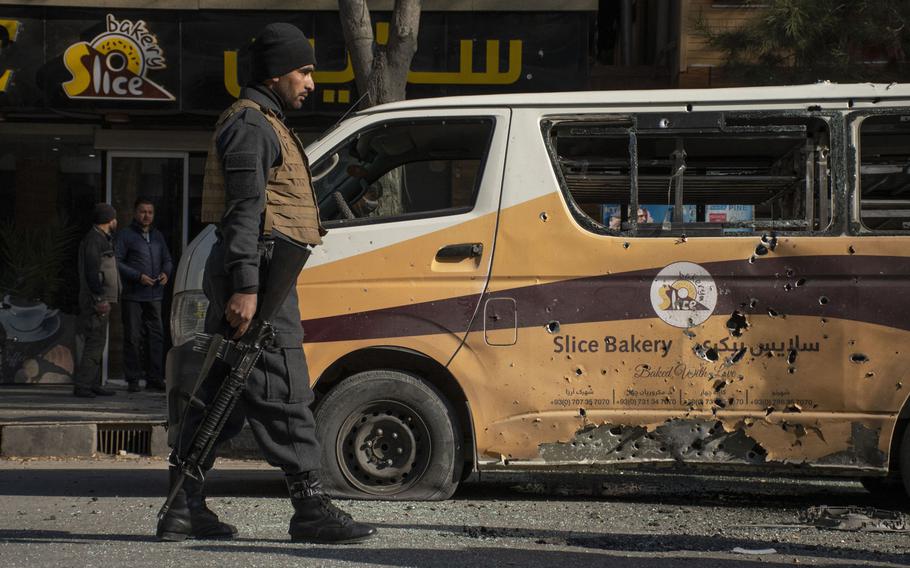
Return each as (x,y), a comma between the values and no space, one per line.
(115,65)
(683,294)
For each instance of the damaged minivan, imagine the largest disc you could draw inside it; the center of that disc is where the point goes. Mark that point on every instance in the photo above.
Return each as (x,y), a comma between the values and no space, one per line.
(695,278)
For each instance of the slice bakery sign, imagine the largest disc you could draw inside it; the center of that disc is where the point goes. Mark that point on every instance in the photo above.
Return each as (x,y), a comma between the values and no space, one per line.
(115,65)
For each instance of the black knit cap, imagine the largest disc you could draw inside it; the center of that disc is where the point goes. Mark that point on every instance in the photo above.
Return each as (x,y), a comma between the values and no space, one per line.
(103,213)
(278,49)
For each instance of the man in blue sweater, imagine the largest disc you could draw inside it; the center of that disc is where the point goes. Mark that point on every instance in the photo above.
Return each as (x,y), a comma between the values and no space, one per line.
(145,266)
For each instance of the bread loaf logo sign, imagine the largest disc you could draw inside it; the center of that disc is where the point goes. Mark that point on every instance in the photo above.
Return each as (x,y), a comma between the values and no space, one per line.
(114,65)
(683,294)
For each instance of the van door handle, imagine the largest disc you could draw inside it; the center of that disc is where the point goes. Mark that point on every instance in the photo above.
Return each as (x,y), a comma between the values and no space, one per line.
(459,252)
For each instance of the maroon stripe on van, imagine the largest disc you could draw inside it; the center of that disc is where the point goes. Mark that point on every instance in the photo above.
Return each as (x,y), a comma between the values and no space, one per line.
(871,289)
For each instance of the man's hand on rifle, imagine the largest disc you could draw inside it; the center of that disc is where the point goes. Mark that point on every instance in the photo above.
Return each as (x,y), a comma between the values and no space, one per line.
(240,311)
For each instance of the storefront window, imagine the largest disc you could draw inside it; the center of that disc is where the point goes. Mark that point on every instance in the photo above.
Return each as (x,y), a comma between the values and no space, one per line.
(194,201)
(49,182)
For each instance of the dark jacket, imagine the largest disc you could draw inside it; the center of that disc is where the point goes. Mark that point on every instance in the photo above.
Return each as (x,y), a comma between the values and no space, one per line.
(141,253)
(98,280)
(247,136)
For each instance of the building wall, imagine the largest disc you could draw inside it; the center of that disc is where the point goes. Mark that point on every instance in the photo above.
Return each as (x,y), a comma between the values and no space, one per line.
(314,5)
(700,64)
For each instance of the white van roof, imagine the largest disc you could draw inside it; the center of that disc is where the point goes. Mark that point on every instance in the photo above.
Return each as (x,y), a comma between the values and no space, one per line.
(809,95)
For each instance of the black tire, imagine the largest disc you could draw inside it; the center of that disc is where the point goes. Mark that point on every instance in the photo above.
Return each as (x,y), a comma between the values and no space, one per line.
(885,488)
(387,434)
(904,460)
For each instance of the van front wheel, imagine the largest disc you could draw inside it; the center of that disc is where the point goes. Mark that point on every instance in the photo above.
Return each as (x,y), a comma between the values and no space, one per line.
(389,435)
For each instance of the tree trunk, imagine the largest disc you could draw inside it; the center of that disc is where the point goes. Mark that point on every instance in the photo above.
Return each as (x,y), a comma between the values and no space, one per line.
(380,71)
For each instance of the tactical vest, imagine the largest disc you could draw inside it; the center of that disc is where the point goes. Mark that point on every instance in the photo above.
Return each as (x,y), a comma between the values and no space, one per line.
(290,202)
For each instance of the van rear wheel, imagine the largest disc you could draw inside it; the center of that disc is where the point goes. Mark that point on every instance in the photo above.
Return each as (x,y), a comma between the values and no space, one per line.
(904,461)
(891,487)
(386,434)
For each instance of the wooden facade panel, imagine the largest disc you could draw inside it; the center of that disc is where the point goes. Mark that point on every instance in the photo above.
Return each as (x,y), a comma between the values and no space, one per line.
(695,52)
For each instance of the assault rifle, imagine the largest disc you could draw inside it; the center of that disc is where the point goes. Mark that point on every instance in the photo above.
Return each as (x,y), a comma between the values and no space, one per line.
(283,266)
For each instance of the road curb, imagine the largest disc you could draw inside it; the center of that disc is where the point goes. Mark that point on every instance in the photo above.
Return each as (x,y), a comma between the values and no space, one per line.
(49,440)
(81,439)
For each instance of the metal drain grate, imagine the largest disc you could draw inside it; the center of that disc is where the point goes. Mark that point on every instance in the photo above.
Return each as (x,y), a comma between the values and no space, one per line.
(129,438)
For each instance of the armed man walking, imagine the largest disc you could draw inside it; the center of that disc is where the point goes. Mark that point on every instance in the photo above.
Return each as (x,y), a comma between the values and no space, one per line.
(257,184)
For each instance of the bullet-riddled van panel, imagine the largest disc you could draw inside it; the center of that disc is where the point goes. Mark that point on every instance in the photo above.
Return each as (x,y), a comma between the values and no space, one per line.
(686,349)
(738,346)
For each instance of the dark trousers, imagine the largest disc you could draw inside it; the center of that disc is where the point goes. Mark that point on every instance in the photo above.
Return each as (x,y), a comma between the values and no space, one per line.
(143,340)
(93,328)
(277,398)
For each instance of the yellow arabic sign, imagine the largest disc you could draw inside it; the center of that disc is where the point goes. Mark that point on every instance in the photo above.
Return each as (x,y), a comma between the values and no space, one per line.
(12,31)
(466,75)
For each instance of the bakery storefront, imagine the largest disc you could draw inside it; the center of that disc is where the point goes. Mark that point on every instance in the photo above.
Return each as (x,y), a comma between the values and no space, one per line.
(111,104)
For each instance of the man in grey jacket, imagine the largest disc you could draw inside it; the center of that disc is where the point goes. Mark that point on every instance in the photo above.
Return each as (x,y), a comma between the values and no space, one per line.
(99,287)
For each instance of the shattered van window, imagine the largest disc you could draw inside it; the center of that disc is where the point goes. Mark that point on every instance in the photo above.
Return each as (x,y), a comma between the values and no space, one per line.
(885,173)
(403,168)
(718,175)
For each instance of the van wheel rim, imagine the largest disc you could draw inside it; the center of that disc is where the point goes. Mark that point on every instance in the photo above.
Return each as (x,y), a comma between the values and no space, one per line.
(384,447)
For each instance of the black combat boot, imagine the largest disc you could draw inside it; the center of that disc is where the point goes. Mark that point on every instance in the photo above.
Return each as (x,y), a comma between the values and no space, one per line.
(189,515)
(316,519)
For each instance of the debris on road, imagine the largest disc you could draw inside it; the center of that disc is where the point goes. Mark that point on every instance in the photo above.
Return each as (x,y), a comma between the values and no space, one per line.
(855,519)
(739,550)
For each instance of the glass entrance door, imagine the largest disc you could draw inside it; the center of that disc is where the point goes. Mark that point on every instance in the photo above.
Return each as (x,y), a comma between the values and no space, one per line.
(162,178)
(159,177)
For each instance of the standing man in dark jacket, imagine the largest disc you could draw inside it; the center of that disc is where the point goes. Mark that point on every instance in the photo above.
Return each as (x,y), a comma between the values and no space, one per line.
(257,179)
(145,267)
(99,287)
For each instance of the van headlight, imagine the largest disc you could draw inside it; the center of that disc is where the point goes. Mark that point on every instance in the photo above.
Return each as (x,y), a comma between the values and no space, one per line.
(187,315)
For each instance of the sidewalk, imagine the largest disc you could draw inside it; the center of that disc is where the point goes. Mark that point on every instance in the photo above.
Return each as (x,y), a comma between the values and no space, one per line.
(48,421)
(32,404)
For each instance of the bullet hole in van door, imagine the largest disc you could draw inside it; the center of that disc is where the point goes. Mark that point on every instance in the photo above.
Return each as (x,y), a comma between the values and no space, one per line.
(851,250)
(544,216)
(859,358)
(553,327)
(791,356)
(761,250)
(800,282)
(823,300)
(737,323)
(737,357)
(706,353)
(773,313)
(770,241)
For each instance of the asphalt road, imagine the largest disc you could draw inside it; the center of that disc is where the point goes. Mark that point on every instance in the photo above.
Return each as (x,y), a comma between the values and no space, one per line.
(101,513)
